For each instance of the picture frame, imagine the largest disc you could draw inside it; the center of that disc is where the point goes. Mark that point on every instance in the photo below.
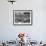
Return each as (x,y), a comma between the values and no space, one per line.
(22,17)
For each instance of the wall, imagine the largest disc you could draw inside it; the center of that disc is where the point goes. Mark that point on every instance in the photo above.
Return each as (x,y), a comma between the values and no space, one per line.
(37,31)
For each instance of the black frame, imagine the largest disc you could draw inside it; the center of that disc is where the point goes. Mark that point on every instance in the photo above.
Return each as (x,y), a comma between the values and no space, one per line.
(24,24)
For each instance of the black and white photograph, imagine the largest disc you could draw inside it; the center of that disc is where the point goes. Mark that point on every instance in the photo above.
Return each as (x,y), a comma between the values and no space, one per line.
(22,17)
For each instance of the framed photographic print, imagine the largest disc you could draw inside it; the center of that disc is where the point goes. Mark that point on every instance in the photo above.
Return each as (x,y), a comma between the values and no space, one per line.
(22,17)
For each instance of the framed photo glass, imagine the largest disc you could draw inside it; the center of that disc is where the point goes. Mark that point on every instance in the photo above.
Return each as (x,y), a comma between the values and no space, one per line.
(22,17)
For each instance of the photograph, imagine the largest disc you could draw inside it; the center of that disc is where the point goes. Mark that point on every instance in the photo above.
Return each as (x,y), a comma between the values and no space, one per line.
(22,17)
